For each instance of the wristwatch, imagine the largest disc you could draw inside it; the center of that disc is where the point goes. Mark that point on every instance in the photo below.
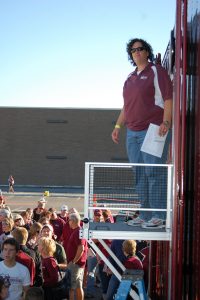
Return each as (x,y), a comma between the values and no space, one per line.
(166,123)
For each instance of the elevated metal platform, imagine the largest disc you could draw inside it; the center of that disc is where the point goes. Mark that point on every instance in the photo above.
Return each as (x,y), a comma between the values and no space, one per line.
(121,187)
(121,231)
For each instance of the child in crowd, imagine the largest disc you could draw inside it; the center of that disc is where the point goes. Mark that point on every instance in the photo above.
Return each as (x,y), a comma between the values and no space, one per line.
(132,261)
(46,248)
(59,254)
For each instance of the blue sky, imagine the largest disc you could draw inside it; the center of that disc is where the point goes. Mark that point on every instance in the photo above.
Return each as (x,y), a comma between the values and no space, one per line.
(72,53)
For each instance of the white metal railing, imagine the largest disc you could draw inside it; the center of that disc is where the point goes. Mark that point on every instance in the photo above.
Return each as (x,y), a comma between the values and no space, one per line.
(122,188)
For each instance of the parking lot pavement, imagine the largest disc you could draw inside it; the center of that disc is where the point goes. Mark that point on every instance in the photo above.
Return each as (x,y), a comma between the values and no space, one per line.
(21,200)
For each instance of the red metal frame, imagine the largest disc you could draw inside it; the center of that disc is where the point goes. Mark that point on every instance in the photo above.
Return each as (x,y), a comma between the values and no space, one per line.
(185,264)
(178,196)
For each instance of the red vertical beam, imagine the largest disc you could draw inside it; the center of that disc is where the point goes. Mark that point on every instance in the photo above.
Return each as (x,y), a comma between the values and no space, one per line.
(179,121)
(196,218)
(183,147)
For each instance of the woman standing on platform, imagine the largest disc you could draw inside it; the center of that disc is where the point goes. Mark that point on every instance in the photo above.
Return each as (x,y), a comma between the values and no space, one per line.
(147,96)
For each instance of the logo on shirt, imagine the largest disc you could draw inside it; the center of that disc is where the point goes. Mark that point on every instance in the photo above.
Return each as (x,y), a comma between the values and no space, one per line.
(143,77)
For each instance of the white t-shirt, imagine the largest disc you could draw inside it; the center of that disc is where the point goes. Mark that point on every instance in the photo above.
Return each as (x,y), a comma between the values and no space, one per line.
(19,277)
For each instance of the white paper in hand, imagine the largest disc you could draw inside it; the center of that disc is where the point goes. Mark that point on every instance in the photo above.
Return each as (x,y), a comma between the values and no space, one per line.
(153,143)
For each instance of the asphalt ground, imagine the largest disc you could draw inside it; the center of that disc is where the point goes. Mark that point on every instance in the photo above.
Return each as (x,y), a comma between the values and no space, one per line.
(19,201)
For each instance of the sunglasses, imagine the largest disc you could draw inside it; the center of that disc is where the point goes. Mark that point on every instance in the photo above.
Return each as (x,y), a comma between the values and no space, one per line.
(138,49)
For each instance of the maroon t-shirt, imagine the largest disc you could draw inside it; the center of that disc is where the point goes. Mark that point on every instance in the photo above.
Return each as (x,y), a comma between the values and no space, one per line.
(58,225)
(49,271)
(133,263)
(144,95)
(26,260)
(74,242)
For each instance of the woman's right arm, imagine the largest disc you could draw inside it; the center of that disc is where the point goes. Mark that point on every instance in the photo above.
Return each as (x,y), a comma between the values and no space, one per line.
(119,124)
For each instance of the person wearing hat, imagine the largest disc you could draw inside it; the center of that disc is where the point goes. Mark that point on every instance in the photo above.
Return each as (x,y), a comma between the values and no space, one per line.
(39,209)
(63,213)
(18,221)
(57,223)
(59,254)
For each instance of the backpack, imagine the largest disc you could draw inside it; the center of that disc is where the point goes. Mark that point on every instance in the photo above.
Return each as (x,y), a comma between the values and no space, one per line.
(61,290)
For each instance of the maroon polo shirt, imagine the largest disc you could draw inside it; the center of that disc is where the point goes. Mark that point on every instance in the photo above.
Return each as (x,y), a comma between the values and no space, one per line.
(142,99)
(74,242)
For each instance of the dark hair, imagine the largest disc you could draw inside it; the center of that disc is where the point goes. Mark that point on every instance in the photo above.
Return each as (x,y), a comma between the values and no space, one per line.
(146,45)
(12,242)
(34,293)
(52,209)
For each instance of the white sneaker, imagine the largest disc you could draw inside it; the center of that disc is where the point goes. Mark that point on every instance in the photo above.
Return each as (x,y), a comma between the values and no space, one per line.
(154,222)
(135,222)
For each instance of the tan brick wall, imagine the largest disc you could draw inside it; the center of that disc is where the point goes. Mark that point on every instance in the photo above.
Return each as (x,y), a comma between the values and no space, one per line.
(33,139)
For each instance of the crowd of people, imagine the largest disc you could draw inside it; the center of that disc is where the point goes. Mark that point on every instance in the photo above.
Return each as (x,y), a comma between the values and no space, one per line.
(39,244)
